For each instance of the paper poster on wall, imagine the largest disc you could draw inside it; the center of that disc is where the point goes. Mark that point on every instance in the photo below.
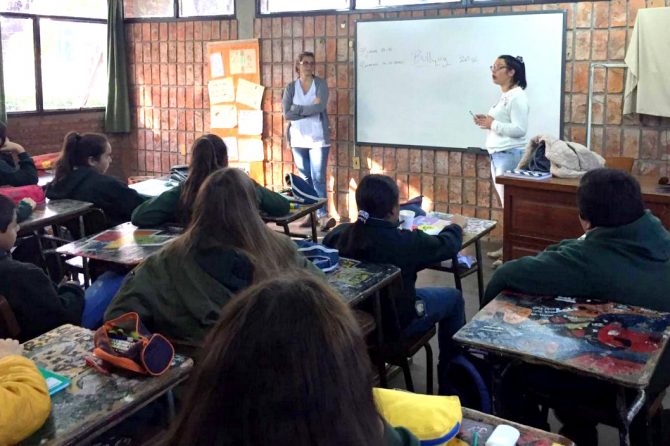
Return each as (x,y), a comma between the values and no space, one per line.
(250,122)
(223,116)
(221,90)
(243,61)
(250,149)
(231,145)
(216,65)
(249,93)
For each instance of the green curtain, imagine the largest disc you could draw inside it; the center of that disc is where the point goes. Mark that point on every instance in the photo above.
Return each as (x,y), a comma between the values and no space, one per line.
(3,110)
(117,113)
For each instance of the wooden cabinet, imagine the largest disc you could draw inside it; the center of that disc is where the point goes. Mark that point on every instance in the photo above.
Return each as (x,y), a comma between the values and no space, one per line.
(540,213)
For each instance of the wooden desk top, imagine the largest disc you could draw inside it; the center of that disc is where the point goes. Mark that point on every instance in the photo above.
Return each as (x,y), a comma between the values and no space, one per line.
(483,424)
(356,280)
(649,186)
(54,212)
(124,244)
(93,402)
(612,342)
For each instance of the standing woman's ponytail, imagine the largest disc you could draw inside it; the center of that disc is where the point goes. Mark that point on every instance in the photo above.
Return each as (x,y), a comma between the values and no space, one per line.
(519,67)
(76,151)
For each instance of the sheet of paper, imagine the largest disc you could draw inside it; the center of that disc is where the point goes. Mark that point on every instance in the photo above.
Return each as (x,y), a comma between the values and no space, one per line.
(216,65)
(231,145)
(250,122)
(221,90)
(249,93)
(223,116)
(243,61)
(250,149)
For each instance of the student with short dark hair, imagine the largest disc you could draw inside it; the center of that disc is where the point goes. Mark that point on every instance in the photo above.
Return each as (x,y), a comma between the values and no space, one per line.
(179,291)
(38,305)
(80,175)
(375,237)
(11,174)
(209,153)
(286,364)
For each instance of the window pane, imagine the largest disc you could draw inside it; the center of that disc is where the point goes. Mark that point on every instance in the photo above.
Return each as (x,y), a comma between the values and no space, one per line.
(74,8)
(191,8)
(370,4)
(74,64)
(148,8)
(18,57)
(270,6)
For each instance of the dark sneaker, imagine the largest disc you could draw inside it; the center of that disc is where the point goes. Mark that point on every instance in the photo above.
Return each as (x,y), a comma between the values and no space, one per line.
(327,223)
(306,223)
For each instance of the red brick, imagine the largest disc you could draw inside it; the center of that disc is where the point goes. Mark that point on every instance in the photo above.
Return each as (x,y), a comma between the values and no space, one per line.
(613,109)
(615,78)
(206,31)
(483,166)
(342,51)
(172,52)
(649,144)
(308,28)
(188,31)
(331,50)
(442,162)
(415,160)
(414,186)
(297,26)
(598,108)
(427,190)
(470,191)
(319,26)
(612,141)
(578,134)
(484,193)
(343,102)
(342,25)
(631,142)
(584,15)
(215,29)
(181,74)
(287,50)
(582,44)
(597,140)
(578,107)
(320,49)
(441,189)
(599,42)
(181,31)
(633,7)
(428,161)
(402,160)
(617,44)
(469,165)
(297,48)
(331,25)
(455,191)
(225,30)
(389,159)
(601,13)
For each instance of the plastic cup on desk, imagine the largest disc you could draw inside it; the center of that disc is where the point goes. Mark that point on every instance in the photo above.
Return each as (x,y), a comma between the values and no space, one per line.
(407,219)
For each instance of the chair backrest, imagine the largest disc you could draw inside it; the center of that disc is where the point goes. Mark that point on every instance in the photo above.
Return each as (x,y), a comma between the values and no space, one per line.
(620,162)
(9,326)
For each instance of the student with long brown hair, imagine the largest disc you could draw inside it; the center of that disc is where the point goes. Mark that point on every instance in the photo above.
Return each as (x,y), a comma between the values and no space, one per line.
(180,290)
(285,365)
(209,153)
(80,175)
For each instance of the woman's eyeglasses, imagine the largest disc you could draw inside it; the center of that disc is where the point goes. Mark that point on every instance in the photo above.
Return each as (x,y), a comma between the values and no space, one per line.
(307,62)
(497,67)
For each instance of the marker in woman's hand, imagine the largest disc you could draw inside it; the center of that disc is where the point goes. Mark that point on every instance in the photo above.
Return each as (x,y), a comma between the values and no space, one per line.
(472,114)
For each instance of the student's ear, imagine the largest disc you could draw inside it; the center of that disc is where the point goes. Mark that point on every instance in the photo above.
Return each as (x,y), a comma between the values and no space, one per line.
(92,161)
(586,225)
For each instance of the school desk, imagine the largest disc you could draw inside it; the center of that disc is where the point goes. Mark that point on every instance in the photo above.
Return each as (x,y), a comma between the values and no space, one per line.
(93,402)
(484,424)
(474,231)
(541,213)
(44,177)
(125,244)
(615,343)
(54,212)
(294,214)
(153,187)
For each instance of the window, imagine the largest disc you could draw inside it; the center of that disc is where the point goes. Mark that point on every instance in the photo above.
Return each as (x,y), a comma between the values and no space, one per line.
(275,6)
(71,70)
(146,9)
(371,4)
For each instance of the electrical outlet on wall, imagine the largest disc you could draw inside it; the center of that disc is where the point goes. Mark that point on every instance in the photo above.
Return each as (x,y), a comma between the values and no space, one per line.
(356,162)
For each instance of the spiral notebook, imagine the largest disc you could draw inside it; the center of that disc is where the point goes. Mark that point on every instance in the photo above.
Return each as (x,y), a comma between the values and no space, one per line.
(528,174)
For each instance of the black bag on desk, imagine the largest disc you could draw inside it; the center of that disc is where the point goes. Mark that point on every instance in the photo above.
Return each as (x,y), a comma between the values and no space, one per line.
(179,173)
(538,161)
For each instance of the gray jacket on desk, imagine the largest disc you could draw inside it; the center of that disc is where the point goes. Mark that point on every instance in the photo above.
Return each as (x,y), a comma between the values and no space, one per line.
(296,112)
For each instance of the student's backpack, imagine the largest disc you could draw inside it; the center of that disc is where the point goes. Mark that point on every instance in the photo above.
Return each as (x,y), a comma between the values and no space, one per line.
(179,173)
(467,377)
(302,191)
(326,259)
(538,161)
(16,194)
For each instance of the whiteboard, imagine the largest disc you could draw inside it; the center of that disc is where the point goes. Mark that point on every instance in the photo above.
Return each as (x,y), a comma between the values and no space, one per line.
(416,79)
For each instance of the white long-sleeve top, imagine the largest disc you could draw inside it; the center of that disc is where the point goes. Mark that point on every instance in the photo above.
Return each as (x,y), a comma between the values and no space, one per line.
(510,121)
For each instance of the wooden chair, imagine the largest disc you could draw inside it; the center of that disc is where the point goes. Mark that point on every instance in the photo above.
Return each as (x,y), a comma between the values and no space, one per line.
(624,163)
(9,326)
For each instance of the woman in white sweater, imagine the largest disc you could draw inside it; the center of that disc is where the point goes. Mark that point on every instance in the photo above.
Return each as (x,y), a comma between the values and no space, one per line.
(507,120)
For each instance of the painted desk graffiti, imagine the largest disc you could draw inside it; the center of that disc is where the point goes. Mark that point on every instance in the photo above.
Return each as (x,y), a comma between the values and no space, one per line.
(613,342)
(93,402)
(54,212)
(356,280)
(294,214)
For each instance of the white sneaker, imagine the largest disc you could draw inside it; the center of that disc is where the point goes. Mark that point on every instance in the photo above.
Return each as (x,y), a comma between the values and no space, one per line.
(495,254)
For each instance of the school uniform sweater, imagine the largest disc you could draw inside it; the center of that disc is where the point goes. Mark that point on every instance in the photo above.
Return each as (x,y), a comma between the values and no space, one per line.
(399,436)
(24,399)
(115,198)
(25,174)
(411,251)
(163,208)
(37,304)
(180,294)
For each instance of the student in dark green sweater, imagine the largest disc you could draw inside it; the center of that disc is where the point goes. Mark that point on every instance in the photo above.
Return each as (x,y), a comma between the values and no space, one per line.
(624,257)
(209,153)
(285,365)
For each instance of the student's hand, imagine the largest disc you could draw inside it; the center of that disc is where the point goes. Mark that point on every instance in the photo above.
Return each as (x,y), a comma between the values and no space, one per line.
(10,347)
(12,147)
(317,100)
(484,121)
(459,220)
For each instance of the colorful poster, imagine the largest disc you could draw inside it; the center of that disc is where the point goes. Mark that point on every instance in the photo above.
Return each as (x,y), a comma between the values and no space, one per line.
(243,61)
(250,122)
(223,116)
(250,93)
(216,65)
(221,90)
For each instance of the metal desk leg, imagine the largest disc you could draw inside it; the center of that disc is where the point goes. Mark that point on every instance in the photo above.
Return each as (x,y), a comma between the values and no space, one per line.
(312,217)
(457,275)
(480,271)
(381,366)
(626,415)
(286,229)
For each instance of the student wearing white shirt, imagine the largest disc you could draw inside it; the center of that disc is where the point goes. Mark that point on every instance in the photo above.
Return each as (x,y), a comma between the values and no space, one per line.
(506,121)
(304,105)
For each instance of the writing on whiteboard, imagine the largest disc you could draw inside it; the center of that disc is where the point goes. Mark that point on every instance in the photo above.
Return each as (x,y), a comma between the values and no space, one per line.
(369,58)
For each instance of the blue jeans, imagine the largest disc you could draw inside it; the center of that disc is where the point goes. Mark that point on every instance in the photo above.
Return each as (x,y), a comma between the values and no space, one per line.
(444,307)
(502,161)
(312,165)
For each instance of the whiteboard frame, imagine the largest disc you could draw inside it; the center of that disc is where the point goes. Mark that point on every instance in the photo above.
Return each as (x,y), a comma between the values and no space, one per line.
(476,150)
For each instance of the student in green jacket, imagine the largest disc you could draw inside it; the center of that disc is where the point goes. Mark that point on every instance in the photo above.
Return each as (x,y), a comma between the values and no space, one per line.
(624,257)
(285,365)
(209,153)
(179,291)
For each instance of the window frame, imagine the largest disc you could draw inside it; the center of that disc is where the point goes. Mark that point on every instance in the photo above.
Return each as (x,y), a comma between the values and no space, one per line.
(176,17)
(37,53)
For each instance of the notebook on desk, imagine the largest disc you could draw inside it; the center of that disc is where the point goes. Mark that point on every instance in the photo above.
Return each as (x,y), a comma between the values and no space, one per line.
(55,382)
(528,174)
